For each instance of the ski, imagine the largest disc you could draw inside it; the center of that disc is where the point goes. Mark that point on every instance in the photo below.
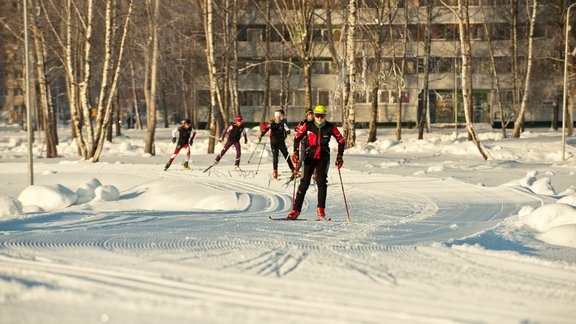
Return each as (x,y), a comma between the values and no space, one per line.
(210,167)
(286,219)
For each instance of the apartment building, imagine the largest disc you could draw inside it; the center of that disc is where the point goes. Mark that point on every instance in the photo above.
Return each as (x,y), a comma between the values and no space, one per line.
(444,67)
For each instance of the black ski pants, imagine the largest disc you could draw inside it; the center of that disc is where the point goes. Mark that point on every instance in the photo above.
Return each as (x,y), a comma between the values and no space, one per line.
(280,147)
(321,168)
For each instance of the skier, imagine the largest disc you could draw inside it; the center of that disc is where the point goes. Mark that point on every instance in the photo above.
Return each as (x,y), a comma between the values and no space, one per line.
(278,132)
(186,134)
(316,157)
(303,144)
(234,132)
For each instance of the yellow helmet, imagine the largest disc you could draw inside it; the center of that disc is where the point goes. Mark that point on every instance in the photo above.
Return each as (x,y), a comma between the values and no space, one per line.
(321,109)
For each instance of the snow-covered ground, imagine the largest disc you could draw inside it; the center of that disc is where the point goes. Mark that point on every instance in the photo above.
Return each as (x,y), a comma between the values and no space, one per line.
(437,234)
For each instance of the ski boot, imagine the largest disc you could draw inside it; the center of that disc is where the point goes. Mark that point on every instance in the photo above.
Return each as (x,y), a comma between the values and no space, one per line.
(275,174)
(321,214)
(167,166)
(293,215)
(185,166)
(237,168)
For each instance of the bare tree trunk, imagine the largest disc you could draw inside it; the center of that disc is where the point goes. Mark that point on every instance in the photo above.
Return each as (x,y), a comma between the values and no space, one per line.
(107,117)
(44,87)
(515,55)
(266,67)
(208,27)
(423,120)
(234,63)
(135,98)
(466,75)
(84,86)
(117,114)
(350,130)
(71,82)
(496,76)
(519,123)
(151,100)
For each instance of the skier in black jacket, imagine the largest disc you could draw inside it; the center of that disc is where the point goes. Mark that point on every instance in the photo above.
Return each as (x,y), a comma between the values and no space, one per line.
(186,134)
(278,132)
(316,158)
(234,132)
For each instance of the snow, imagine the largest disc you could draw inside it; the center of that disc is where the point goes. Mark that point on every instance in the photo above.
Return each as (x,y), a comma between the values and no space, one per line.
(437,234)
(48,197)
(9,207)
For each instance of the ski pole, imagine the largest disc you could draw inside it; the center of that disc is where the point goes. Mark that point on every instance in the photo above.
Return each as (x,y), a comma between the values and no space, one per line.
(251,155)
(344,195)
(261,155)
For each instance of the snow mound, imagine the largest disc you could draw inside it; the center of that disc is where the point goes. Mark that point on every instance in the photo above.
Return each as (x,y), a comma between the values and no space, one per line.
(179,196)
(549,216)
(543,187)
(86,192)
(107,193)
(564,235)
(48,197)
(9,207)
(568,200)
(556,222)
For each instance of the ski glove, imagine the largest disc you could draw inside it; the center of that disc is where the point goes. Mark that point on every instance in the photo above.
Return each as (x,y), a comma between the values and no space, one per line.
(339,162)
(295,157)
(245,141)
(191,141)
(173,139)
(259,139)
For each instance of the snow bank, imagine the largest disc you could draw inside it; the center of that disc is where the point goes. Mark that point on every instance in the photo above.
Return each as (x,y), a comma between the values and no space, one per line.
(568,200)
(556,222)
(9,207)
(107,193)
(52,197)
(86,192)
(541,186)
(181,196)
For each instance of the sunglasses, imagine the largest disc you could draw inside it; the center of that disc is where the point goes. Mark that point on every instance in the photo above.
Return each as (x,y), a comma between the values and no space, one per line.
(319,115)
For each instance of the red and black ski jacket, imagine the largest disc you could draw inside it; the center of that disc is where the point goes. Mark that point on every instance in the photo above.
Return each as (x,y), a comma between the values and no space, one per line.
(318,139)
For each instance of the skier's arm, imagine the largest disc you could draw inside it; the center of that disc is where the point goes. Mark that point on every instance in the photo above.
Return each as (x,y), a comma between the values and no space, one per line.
(265,129)
(341,142)
(174,133)
(286,128)
(298,137)
(192,135)
(245,136)
(225,132)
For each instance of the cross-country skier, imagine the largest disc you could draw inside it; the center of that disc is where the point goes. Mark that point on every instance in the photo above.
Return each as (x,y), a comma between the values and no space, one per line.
(234,132)
(316,157)
(186,134)
(278,132)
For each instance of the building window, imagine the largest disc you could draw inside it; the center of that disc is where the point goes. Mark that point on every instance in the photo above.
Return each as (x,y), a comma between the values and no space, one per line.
(321,67)
(384,97)
(254,35)
(250,98)
(323,97)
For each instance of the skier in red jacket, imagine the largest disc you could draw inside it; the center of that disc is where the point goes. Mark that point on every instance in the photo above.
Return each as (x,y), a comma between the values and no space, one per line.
(316,157)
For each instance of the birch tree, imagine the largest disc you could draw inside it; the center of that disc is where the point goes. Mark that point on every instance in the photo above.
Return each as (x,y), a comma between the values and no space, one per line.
(211,61)
(520,117)
(350,81)
(151,74)
(462,15)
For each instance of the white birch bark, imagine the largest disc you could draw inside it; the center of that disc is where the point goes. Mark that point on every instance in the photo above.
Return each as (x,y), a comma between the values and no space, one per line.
(520,118)
(349,88)
(466,75)
(151,100)
(84,86)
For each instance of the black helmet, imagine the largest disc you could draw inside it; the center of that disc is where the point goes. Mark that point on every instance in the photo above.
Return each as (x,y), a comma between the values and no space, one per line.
(186,121)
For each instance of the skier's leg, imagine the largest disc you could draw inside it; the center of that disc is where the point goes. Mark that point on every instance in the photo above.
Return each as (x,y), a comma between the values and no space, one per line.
(274,156)
(322,181)
(309,166)
(226,147)
(187,147)
(173,156)
(284,150)
(238,153)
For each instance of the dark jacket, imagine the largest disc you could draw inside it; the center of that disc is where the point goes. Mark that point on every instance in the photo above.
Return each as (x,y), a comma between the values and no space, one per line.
(278,131)
(184,134)
(234,132)
(318,139)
